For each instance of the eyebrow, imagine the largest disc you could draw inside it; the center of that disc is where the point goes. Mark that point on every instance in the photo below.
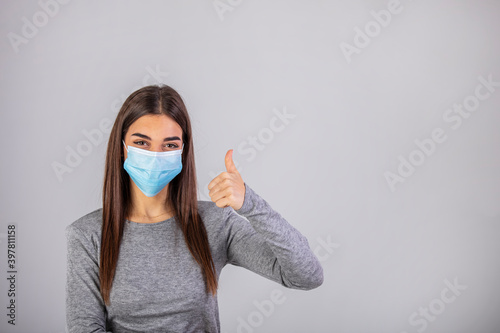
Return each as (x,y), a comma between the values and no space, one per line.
(170,138)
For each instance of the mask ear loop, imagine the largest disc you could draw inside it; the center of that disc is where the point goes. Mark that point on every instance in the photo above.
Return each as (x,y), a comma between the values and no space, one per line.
(127,148)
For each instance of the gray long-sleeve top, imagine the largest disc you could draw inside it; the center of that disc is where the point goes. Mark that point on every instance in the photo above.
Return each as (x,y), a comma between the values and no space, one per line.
(159,287)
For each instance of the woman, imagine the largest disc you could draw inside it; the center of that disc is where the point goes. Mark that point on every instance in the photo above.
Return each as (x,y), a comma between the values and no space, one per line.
(150,258)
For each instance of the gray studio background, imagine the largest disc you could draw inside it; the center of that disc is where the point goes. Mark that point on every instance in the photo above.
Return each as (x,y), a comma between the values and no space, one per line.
(376,136)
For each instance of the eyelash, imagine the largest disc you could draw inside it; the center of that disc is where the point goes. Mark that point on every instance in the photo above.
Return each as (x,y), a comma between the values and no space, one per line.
(137,143)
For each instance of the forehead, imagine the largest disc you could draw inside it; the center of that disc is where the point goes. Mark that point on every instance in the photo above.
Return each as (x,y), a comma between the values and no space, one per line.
(155,125)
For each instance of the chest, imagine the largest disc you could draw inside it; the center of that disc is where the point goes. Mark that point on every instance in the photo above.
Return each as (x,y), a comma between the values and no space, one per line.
(156,271)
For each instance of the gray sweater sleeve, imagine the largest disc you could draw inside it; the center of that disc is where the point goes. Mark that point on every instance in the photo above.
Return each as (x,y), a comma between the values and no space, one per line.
(85,310)
(269,246)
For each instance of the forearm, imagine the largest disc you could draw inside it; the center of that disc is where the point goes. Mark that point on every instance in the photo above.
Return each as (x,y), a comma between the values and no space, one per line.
(299,267)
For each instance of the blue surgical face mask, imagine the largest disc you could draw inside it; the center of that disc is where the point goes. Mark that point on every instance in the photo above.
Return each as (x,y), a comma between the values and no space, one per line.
(151,171)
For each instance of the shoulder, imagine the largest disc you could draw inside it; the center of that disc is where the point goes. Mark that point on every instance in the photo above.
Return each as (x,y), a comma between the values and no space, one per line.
(88,226)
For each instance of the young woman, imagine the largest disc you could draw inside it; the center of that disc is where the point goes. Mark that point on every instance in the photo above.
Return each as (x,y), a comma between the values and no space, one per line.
(150,258)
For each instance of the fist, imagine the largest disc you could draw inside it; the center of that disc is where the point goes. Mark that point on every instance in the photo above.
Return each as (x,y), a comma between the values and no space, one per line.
(228,188)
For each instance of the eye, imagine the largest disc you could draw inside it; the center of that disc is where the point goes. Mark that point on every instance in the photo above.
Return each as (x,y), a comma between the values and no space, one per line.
(140,143)
(171,145)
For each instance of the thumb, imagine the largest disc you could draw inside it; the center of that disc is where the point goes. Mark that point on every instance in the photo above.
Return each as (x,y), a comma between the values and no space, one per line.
(230,167)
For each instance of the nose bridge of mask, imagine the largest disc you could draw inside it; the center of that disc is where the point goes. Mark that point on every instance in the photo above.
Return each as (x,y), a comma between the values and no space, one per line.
(152,160)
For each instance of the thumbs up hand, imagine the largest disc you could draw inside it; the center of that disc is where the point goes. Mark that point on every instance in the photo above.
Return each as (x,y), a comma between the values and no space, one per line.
(228,188)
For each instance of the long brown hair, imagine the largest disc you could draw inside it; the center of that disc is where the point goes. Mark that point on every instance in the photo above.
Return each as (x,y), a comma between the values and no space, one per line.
(182,190)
